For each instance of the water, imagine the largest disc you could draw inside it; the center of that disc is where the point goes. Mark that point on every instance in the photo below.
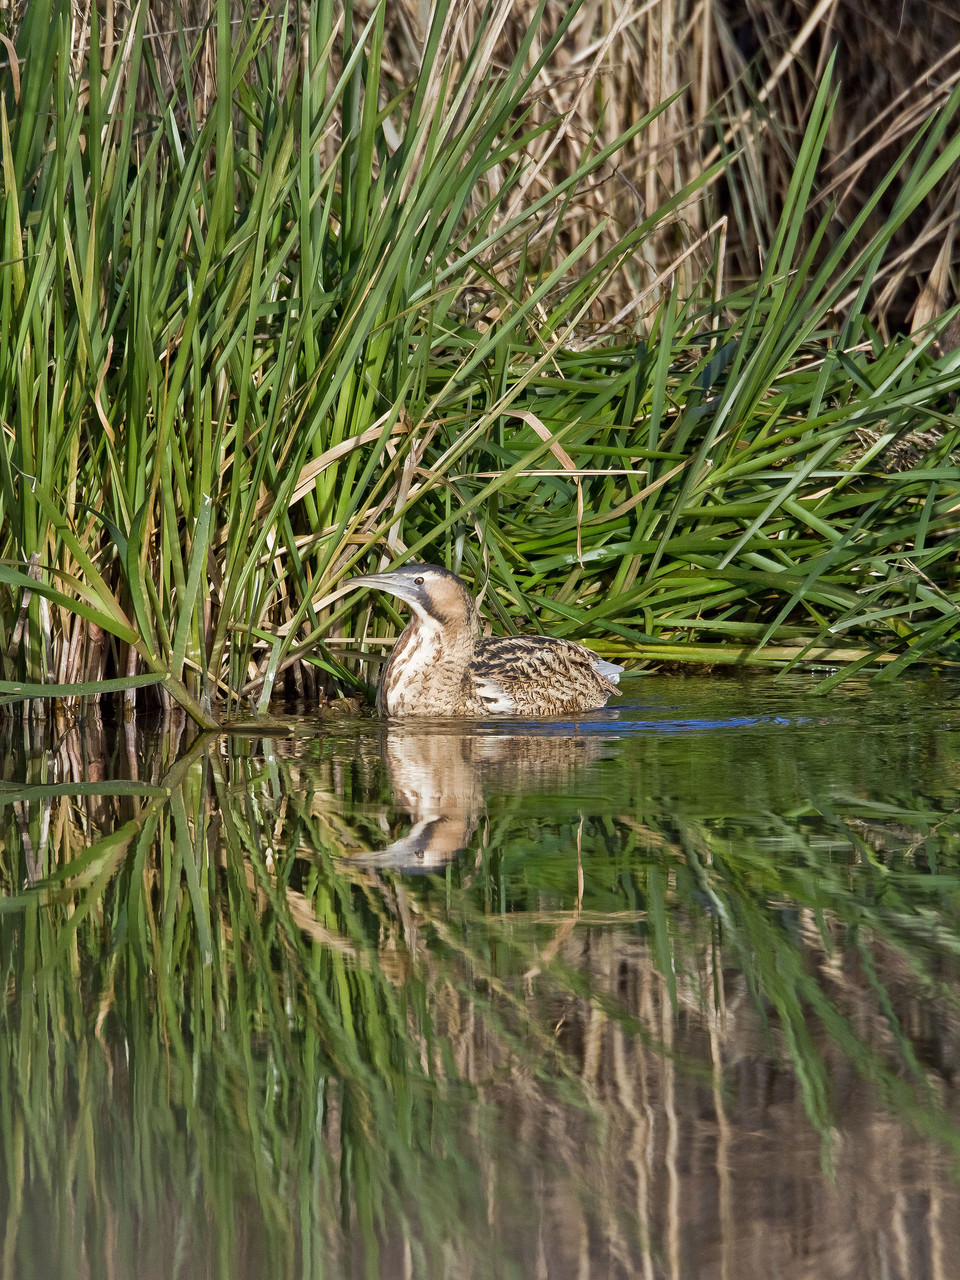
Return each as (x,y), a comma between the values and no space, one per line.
(667,991)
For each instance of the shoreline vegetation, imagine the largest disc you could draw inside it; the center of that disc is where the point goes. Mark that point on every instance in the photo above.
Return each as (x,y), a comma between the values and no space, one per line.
(632,322)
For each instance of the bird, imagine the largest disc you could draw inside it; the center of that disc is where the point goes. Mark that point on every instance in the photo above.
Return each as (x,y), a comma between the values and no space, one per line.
(442,666)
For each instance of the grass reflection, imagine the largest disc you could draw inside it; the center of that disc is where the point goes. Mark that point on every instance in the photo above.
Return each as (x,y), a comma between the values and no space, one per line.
(239,1037)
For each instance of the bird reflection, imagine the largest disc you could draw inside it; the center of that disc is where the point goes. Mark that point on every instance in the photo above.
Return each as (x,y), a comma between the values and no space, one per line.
(440,777)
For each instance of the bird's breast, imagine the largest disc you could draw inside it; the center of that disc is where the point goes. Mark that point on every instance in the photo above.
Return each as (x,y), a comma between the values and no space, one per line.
(424,675)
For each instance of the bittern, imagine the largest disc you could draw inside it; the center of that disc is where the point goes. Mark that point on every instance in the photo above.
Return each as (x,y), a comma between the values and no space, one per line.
(442,666)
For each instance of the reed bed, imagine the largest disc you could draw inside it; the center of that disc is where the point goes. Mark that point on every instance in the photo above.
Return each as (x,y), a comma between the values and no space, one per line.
(289,292)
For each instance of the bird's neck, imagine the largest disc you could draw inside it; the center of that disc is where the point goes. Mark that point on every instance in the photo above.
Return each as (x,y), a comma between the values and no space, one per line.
(427,670)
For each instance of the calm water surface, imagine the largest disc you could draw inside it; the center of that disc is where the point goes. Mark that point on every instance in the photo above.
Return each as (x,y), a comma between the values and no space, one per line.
(667,991)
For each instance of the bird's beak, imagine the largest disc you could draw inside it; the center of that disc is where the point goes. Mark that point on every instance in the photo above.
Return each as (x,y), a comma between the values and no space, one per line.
(389,582)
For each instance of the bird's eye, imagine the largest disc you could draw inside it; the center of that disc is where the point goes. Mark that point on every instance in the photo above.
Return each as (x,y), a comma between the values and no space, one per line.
(418,581)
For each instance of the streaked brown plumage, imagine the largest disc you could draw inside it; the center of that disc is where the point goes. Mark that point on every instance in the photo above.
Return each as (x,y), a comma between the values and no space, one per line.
(442,666)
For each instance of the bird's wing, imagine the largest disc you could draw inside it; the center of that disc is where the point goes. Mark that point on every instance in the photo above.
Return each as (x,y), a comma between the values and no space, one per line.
(497,701)
(538,658)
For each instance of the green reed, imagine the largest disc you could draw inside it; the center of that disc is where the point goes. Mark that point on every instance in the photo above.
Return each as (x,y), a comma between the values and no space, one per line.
(242,352)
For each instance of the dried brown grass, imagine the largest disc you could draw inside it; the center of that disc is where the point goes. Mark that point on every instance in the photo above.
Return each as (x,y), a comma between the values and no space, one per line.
(743,72)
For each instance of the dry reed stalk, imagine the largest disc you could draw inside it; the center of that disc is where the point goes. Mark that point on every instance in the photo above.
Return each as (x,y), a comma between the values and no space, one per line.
(744,74)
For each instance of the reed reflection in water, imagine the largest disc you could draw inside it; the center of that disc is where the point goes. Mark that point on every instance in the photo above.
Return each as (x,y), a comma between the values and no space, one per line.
(671,1004)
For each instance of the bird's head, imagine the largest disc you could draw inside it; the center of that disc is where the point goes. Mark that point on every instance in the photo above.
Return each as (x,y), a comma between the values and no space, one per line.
(435,595)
